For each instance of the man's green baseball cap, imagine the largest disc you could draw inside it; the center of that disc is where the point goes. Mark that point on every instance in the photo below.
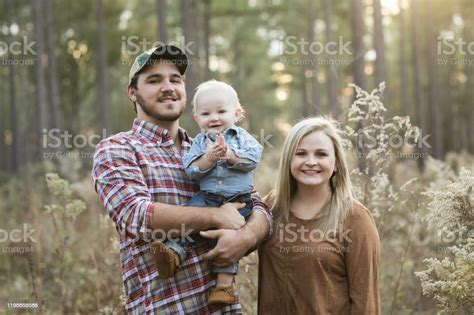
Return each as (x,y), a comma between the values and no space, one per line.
(165,52)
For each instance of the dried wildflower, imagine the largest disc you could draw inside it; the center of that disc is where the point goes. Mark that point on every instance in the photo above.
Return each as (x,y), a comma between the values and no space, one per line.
(449,281)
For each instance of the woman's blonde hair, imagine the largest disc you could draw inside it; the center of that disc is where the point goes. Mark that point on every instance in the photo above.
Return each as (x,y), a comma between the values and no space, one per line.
(342,197)
(214,85)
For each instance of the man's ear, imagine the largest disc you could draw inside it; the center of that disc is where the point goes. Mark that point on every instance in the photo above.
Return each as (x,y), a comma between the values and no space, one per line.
(131,91)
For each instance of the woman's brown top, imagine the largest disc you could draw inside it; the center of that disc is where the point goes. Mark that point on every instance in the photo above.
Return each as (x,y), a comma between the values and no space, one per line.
(302,272)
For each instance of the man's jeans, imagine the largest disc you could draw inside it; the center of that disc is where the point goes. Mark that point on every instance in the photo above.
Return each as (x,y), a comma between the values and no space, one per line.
(203,199)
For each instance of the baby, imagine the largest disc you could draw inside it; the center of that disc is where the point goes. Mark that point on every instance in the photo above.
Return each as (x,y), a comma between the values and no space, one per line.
(221,158)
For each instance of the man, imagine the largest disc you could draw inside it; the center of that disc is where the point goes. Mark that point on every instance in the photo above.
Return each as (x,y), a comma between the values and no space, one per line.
(140,179)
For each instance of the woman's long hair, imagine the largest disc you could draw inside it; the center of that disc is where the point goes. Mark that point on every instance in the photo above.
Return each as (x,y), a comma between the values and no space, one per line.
(342,197)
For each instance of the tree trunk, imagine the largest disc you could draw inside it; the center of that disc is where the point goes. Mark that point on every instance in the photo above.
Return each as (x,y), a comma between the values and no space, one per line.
(40,89)
(416,64)
(379,45)
(13,118)
(102,91)
(3,122)
(304,94)
(331,73)
(417,77)
(186,24)
(161,14)
(357,24)
(315,98)
(196,35)
(469,92)
(405,109)
(53,92)
(436,125)
(206,37)
(452,143)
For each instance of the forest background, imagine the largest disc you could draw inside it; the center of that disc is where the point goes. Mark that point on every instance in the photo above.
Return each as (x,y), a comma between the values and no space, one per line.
(64,69)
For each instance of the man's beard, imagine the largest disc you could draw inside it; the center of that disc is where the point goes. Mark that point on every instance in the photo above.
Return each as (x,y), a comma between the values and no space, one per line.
(159,117)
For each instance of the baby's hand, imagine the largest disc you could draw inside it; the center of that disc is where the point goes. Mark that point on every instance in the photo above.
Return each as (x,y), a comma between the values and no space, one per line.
(221,142)
(214,151)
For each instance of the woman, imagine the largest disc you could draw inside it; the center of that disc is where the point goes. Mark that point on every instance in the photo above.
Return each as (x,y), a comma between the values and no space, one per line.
(324,253)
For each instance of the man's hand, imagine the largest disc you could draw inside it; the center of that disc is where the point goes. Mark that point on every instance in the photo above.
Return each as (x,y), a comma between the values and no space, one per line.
(227,216)
(231,246)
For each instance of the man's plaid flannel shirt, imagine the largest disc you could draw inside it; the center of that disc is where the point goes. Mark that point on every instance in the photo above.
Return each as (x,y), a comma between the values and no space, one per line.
(132,170)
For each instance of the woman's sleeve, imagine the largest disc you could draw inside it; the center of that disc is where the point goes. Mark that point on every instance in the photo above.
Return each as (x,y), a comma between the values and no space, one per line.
(362,261)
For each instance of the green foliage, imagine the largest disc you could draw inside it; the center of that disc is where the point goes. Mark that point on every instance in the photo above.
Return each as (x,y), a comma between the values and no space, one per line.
(69,208)
(72,267)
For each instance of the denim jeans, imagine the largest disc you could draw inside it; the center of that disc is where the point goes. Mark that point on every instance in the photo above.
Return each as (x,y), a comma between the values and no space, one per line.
(203,199)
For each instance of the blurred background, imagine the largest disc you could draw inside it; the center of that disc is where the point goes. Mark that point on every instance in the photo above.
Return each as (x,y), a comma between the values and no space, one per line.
(64,70)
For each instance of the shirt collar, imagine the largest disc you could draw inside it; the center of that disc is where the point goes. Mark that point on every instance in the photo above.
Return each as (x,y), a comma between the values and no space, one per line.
(154,132)
(233,130)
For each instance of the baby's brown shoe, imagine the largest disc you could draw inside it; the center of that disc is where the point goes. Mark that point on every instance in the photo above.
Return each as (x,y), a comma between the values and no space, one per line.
(166,260)
(222,295)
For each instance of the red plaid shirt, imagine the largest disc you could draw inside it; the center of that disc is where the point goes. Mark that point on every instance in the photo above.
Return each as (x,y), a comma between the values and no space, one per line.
(132,170)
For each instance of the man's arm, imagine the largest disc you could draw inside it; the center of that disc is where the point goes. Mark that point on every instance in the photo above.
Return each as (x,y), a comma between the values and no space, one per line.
(172,218)
(123,190)
(234,244)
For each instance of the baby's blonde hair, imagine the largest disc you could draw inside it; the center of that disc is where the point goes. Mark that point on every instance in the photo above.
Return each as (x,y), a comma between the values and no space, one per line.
(214,85)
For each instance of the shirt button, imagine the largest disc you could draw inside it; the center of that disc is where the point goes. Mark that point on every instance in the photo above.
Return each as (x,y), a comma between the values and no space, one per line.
(219,182)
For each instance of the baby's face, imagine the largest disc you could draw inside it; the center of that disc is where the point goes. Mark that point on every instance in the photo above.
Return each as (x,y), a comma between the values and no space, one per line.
(215,112)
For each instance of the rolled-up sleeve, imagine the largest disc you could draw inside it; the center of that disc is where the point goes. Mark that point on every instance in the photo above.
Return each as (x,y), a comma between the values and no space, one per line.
(260,206)
(248,149)
(122,189)
(197,150)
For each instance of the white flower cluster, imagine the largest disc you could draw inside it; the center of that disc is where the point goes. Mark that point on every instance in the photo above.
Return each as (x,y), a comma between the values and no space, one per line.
(378,138)
(451,207)
(450,280)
